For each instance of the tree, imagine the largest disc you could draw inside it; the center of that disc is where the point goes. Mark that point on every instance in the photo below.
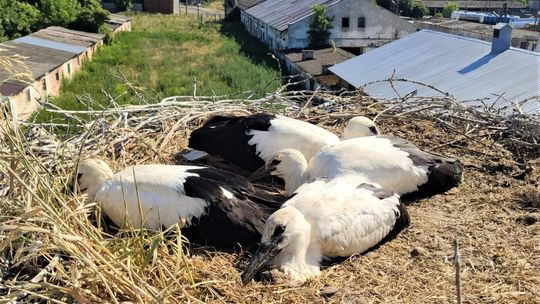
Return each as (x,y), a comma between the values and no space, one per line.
(418,10)
(91,17)
(319,28)
(124,5)
(449,8)
(17,18)
(405,7)
(413,8)
(59,12)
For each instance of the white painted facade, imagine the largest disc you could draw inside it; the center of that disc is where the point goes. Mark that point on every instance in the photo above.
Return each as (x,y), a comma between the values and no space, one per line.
(380,27)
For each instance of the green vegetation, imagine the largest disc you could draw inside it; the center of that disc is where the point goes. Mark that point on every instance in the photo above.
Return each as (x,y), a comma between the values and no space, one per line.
(413,8)
(449,8)
(319,28)
(163,55)
(213,4)
(19,18)
(418,10)
(124,5)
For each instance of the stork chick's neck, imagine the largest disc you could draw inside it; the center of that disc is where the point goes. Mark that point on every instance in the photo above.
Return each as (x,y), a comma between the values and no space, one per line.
(301,258)
(294,173)
(98,178)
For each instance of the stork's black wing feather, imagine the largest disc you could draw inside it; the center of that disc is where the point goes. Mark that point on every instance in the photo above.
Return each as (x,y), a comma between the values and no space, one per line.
(444,173)
(229,220)
(226,137)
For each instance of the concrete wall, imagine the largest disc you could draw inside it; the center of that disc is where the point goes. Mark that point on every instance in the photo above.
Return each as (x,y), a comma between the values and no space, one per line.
(381,26)
(29,100)
(274,39)
(124,27)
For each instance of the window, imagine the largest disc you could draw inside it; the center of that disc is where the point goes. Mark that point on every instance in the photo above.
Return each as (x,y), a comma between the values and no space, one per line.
(496,33)
(523,45)
(57,75)
(44,83)
(69,68)
(79,60)
(345,22)
(533,47)
(361,22)
(28,95)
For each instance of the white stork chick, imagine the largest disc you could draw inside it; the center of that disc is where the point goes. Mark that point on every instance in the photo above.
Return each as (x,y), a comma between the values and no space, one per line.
(212,206)
(393,163)
(360,126)
(250,141)
(326,219)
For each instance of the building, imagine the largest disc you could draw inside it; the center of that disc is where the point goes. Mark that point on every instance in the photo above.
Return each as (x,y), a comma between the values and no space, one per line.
(436,6)
(311,66)
(534,7)
(468,69)
(358,25)
(151,6)
(118,23)
(521,38)
(49,55)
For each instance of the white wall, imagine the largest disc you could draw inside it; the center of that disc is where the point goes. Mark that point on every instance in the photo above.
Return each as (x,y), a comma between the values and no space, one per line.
(382,26)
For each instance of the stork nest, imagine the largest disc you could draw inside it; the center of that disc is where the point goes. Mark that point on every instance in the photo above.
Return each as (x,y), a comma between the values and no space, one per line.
(52,252)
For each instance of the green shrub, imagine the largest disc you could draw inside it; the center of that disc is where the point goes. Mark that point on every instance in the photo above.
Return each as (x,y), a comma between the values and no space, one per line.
(449,8)
(17,19)
(319,29)
(418,10)
(105,30)
(124,5)
(59,12)
(91,17)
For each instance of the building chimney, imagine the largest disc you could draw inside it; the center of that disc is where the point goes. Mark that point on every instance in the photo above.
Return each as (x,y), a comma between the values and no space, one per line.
(502,38)
(307,54)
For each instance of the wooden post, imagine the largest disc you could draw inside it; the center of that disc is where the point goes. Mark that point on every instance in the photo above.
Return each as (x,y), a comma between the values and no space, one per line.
(457,262)
(195,87)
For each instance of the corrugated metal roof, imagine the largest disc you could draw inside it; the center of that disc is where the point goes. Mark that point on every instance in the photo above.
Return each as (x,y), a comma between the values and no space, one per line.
(51,44)
(460,66)
(245,4)
(280,13)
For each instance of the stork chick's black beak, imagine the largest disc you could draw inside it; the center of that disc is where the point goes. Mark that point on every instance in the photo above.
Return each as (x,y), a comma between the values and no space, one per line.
(265,253)
(71,186)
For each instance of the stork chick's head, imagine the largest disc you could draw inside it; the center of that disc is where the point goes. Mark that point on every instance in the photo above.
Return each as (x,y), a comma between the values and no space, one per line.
(285,240)
(91,174)
(360,126)
(288,164)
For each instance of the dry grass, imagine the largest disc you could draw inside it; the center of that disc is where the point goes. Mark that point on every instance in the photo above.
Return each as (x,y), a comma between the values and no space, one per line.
(500,252)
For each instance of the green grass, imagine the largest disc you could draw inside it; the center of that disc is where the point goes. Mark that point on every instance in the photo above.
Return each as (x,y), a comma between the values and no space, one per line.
(162,56)
(214,4)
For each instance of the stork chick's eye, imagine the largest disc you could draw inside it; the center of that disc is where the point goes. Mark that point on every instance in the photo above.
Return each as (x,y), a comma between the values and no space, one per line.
(278,231)
(275,162)
(373,130)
